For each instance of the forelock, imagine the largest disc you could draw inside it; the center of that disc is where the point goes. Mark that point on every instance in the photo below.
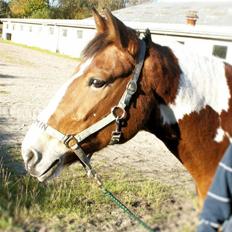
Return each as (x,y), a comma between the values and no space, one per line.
(96,45)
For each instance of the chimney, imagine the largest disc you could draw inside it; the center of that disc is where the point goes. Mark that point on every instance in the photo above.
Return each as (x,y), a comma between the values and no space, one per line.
(191,17)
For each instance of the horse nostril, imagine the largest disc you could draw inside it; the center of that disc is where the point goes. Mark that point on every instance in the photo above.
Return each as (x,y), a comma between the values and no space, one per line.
(32,158)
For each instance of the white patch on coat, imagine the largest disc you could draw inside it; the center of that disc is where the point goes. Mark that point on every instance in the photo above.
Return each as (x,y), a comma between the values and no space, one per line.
(202,82)
(55,101)
(220,133)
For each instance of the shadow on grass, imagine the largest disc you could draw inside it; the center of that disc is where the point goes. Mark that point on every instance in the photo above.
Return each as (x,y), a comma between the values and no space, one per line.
(10,153)
(18,192)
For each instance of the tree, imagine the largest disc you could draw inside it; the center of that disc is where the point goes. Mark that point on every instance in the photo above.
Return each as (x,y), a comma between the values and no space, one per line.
(64,9)
(4,9)
(111,4)
(73,9)
(78,9)
(30,8)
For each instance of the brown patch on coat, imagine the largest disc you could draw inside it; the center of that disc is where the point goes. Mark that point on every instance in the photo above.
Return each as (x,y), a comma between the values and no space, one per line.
(164,71)
(198,150)
(226,116)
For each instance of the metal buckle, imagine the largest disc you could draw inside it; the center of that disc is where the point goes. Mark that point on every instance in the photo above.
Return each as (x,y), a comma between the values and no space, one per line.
(131,87)
(67,141)
(116,136)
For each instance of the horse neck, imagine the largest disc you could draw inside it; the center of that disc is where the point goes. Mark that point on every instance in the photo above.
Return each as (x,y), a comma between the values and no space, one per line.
(162,72)
(191,137)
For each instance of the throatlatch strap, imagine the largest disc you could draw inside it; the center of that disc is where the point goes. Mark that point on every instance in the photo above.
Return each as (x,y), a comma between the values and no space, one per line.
(132,85)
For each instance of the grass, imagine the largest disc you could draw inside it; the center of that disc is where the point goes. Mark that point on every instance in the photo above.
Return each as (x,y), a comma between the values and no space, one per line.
(39,49)
(74,203)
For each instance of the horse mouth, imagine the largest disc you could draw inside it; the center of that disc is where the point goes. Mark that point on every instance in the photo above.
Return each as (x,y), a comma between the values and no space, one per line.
(52,171)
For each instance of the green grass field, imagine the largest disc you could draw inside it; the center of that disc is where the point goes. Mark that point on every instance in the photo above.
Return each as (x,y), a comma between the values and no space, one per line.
(73,202)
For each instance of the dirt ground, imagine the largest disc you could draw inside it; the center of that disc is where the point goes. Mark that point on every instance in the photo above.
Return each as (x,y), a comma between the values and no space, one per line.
(29,78)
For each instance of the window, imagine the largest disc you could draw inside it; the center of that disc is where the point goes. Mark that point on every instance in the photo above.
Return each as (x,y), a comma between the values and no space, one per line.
(7,26)
(8,36)
(51,30)
(13,27)
(79,34)
(30,28)
(21,27)
(220,51)
(64,32)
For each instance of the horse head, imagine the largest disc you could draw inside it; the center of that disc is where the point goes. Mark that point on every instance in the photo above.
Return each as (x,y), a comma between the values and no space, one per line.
(93,93)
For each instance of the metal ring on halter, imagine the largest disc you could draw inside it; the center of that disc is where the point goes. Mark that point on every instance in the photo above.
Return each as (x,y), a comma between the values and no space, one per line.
(121,115)
(71,142)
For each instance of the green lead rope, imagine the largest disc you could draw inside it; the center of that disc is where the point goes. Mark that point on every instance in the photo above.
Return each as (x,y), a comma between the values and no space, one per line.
(92,173)
(127,211)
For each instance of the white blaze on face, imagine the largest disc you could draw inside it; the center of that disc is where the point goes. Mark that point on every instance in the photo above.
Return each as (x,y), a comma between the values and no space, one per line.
(202,82)
(54,103)
(38,140)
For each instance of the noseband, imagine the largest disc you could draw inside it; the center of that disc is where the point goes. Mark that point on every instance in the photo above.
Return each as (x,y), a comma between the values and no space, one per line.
(117,114)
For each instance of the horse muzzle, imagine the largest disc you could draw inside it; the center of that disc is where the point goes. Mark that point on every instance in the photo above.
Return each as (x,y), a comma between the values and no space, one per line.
(39,169)
(43,156)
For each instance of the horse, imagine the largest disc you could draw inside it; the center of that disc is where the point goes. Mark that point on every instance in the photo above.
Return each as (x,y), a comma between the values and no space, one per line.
(125,84)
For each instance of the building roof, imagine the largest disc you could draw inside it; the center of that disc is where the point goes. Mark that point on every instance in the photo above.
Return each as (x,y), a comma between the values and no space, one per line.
(53,22)
(216,13)
(169,17)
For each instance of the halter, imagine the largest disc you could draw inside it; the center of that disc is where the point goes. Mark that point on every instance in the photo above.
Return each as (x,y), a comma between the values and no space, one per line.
(117,114)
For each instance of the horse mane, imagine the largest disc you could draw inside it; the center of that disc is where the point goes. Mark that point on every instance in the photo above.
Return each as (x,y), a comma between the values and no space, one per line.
(96,45)
(147,36)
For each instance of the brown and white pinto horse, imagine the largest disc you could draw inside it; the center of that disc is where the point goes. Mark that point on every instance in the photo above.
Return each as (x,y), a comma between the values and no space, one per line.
(183,98)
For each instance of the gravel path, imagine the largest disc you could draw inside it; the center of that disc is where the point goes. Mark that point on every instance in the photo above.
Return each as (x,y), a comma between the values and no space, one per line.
(29,78)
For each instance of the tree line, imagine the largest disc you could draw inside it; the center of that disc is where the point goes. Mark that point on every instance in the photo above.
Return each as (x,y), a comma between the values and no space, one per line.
(62,9)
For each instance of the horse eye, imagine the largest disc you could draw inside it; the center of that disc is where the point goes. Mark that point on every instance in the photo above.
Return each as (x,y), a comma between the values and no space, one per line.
(96,83)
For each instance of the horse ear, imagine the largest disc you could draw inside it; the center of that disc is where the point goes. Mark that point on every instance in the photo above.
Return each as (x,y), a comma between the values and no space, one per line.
(113,29)
(99,21)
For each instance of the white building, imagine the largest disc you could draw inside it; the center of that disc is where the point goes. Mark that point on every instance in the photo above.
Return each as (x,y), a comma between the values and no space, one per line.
(166,21)
(63,36)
